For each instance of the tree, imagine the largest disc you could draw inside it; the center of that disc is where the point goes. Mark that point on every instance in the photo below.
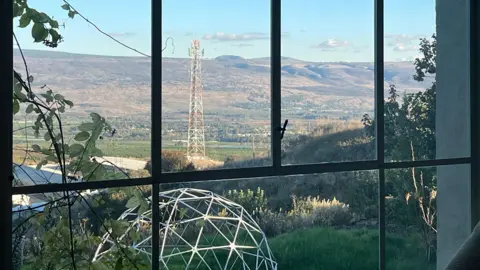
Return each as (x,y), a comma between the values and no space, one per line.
(410,135)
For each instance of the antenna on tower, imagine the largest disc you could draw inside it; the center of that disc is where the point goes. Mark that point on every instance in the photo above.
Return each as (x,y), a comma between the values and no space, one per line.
(196,126)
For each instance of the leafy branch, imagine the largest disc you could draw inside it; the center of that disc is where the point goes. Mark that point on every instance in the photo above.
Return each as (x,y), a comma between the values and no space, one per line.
(75,160)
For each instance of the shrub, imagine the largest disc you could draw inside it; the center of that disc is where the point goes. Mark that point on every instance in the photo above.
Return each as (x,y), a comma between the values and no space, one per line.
(321,212)
(172,161)
(306,213)
(252,201)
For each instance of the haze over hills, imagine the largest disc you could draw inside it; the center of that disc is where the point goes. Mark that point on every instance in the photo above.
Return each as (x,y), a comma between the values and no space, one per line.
(234,86)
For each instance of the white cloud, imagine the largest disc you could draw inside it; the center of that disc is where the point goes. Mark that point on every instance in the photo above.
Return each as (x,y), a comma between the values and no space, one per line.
(403,42)
(242,45)
(331,45)
(224,37)
(249,36)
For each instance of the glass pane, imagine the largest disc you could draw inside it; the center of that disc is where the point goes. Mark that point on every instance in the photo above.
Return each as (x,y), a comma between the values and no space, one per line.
(81,110)
(426,111)
(320,221)
(215,85)
(103,229)
(427,215)
(327,80)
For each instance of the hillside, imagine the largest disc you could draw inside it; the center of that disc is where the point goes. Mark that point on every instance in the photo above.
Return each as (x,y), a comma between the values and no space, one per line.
(234,86)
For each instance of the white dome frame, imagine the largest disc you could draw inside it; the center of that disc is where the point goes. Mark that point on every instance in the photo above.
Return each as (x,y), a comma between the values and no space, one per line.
(230,224)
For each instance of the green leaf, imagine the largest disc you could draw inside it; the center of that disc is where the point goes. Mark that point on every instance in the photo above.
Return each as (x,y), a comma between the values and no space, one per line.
(71,14)
(18,94)
(41,18)
(17,10)
(29,108)
(96,152)
(98,173)
(24,21)
(41,163)
(133,202)
(86,126)
(36,148)
(76,150)
(95,203)
(58,97)
(55,36)
(16,106)
(82,136)
(119,264)
(66,7)
(39,33)
(95,117)
(68,102)
(47,136)
(53,23)
(48,98)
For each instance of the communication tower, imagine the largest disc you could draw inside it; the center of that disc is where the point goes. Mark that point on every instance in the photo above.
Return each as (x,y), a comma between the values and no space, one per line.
(196,126)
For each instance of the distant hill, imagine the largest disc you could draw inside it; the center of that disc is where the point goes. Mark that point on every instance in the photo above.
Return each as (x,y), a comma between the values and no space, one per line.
(120,86)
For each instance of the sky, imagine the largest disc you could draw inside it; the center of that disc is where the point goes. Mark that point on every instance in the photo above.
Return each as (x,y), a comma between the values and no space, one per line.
(312,30)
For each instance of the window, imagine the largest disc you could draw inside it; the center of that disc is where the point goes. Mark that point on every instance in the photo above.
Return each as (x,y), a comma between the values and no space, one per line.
(202,135)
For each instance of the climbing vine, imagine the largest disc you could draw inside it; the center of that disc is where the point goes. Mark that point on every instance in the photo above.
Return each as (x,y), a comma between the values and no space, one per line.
(58,235)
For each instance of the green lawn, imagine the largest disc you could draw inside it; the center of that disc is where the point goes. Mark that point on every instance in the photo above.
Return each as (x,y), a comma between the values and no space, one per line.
(322,248)
(333,249)
(328,249)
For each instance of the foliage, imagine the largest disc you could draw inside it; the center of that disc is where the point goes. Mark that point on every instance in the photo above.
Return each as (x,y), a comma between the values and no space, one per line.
(321,212)
(44,28)
(410,135)
(252,201)
(55,239)
(411,121)
(306,213)
(173,161)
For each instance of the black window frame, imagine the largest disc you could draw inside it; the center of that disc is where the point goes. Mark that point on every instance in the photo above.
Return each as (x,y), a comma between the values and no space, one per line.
(276,169)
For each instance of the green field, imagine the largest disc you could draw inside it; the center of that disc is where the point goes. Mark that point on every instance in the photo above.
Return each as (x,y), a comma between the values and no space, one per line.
(141,149)
(326,249)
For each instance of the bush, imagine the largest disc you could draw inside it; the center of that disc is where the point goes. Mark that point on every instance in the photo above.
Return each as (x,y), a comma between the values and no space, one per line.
(321,212)
(306,213)
(274,223)
(173,161)
(252,201)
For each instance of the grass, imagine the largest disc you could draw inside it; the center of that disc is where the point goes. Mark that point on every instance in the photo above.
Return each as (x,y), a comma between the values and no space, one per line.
(328,248)
(325,248)
(140,150)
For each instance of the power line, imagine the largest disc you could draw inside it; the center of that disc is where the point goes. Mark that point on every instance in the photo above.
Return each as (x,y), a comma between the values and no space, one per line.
(114,39)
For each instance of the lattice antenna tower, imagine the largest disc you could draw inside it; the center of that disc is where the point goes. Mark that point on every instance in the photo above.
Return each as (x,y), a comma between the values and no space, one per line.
(196,126)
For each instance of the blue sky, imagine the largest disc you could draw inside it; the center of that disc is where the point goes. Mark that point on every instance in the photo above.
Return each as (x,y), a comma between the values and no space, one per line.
(315,30)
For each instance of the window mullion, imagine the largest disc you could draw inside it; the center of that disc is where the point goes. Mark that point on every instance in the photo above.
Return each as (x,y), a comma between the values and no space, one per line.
(474,84)
(156,118)
(275,62)
(379,120)
(6,59)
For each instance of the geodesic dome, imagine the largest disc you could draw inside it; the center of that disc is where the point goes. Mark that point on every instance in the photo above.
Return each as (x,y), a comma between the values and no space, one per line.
(198,230)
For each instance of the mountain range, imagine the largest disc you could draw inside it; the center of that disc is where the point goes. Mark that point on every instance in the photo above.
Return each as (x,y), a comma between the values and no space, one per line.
(233,86)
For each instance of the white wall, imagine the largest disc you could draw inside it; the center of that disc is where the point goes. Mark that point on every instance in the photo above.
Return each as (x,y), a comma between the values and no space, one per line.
(452,127)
